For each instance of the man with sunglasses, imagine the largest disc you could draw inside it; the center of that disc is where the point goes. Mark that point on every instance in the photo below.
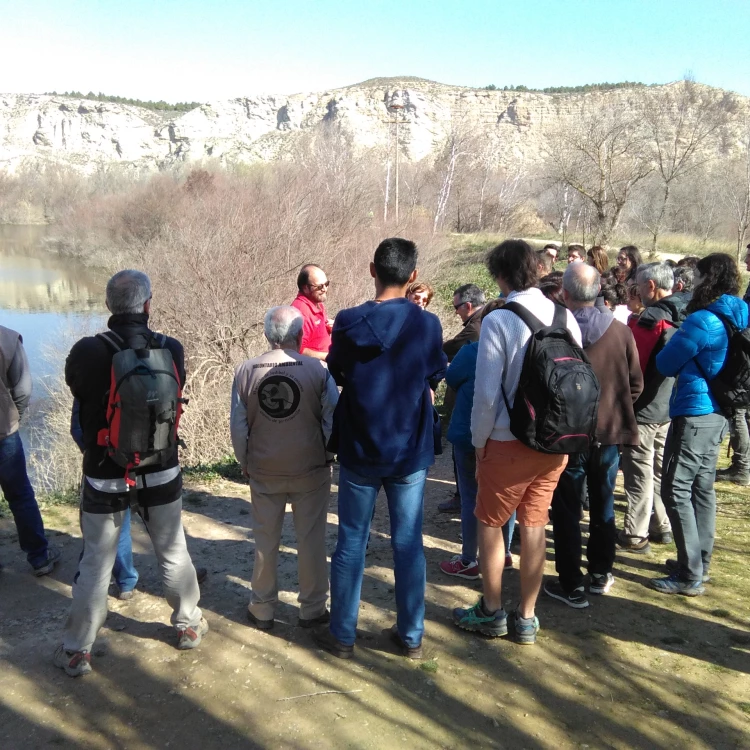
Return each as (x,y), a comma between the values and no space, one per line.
(312,284)
(468,301)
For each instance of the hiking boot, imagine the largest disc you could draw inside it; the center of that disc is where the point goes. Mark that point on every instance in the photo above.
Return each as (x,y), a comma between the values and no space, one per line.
(260,624)
(524,629)
(451,506)
(410,652)
(673,584)
(192,637)
(325,639)
(457,567)
(736,476)
(123,596)
(636,544)
(478,620)
(46,566)
(721,473)
(601,583)
(661,537)
(312,622)
(201,574)
(673,567)
(576,598)
(75,663)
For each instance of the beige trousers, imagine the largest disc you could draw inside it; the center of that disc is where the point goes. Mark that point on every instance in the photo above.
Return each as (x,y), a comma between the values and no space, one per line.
(309,510)
(641,469)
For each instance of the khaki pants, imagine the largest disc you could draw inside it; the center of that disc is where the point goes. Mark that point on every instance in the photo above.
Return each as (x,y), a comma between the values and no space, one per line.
(101,534)
(641,469)
(309,509)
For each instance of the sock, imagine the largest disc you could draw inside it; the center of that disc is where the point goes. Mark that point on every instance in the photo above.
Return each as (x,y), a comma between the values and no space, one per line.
(485,611)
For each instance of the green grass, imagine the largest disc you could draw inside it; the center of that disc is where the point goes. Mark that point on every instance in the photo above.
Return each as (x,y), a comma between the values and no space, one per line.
(226,468)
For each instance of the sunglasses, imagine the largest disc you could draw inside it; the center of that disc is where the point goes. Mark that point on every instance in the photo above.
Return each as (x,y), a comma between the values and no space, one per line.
(320,287)
(461,304)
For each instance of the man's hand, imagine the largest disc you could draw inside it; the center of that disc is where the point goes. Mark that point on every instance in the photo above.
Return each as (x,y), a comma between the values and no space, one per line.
(481,453)
(329,325)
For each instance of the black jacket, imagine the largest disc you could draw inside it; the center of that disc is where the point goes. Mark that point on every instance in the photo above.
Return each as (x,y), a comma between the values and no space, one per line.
(655,326)
(87,373)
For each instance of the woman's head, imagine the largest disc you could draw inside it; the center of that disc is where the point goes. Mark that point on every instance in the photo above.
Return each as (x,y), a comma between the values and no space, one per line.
(629,258)
(597,257)
(714,275)
(420,293)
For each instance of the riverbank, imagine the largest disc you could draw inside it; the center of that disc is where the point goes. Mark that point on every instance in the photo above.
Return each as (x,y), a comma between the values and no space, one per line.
(636,669)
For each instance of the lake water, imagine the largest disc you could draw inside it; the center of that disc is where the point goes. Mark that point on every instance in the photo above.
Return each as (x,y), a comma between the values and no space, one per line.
(51,301)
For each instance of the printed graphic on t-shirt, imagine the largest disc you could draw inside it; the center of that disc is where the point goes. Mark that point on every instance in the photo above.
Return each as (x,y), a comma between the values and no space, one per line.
(278,396)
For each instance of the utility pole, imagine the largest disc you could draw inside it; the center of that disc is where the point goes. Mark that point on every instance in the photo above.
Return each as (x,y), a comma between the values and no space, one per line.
(396,106)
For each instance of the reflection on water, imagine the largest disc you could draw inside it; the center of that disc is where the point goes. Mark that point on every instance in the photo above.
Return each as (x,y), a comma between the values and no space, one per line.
(35,280)
(51,301)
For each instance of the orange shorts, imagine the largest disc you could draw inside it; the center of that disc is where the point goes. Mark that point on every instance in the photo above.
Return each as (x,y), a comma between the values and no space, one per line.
(512,476)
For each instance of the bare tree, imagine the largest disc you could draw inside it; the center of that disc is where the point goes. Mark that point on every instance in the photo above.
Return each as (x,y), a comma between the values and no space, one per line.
(736,191)
(683,121)
(602,155)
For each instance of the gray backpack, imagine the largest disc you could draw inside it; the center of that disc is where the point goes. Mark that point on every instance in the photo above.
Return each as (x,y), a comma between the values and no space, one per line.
(144,405)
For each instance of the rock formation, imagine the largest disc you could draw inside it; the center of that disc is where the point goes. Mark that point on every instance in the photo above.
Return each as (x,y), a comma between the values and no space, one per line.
(90,135)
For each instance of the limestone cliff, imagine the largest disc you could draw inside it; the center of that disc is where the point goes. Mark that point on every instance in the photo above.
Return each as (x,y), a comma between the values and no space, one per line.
(89,135)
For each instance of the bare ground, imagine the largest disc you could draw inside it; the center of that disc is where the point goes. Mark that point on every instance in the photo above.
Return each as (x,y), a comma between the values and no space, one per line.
(636,669)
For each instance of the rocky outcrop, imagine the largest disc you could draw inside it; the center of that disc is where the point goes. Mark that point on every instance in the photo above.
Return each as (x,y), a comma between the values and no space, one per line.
(89,135)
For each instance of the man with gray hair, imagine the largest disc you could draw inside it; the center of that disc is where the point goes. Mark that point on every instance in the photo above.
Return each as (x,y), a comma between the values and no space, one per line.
(611,350)
(468,301)
(281,417)
(646,518)
(108,490)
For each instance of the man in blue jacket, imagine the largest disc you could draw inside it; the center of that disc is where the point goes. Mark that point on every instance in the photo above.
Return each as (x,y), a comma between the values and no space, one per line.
(387,356)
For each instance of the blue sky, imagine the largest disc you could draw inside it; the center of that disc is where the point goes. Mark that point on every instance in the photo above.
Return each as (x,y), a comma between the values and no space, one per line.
(190,50)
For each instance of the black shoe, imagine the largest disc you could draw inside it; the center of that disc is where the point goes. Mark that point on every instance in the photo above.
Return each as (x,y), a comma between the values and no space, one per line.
(260,624)
(736,476)
(451,506)
(201,574)
(323,619)
(408,651)
(324,639)
(576,598)
(673,567)
(665,537)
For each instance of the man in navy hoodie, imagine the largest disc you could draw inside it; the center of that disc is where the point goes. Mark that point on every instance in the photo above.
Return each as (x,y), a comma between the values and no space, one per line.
(388,358)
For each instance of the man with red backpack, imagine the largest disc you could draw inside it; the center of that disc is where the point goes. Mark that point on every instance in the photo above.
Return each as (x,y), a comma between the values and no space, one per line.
(128,382)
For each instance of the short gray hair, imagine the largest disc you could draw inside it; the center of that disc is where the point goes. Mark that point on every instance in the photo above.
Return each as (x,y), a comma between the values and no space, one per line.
(684,274)
(127,292)
(582,282)
(283,326)
(660,273)
(470,293)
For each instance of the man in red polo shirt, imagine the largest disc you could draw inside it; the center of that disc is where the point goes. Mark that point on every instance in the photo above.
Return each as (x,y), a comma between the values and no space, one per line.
(316,330)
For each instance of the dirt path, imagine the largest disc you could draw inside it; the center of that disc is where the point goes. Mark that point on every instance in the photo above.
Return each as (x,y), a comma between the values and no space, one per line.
(636,669)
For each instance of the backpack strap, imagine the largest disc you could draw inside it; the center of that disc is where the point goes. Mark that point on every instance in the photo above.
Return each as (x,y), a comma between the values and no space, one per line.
(529,319)
(115,342)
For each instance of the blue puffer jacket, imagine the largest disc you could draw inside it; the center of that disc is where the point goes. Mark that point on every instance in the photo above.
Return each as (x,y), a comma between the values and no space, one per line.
(460,376)
(704,337)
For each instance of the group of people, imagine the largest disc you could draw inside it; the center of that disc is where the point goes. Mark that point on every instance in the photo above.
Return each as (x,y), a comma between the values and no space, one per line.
(361,390)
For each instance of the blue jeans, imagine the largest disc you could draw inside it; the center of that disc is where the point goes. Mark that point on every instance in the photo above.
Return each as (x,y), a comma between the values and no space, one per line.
(126,576)
(597,470)
(14,482)
(465,462)
(357,495)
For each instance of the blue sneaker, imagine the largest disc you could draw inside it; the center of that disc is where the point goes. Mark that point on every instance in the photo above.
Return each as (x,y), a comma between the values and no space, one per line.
(46,566)
(525,629)
(475,620)
(673,584)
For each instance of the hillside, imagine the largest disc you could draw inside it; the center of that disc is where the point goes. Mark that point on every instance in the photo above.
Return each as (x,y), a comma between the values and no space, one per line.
(89,134)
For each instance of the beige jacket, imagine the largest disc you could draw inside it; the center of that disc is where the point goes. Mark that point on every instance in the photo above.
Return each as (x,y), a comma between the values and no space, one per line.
(282,412)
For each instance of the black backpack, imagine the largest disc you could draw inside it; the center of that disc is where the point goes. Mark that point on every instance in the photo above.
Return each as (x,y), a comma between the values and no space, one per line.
(557,400)
(731,386)
(144,405)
